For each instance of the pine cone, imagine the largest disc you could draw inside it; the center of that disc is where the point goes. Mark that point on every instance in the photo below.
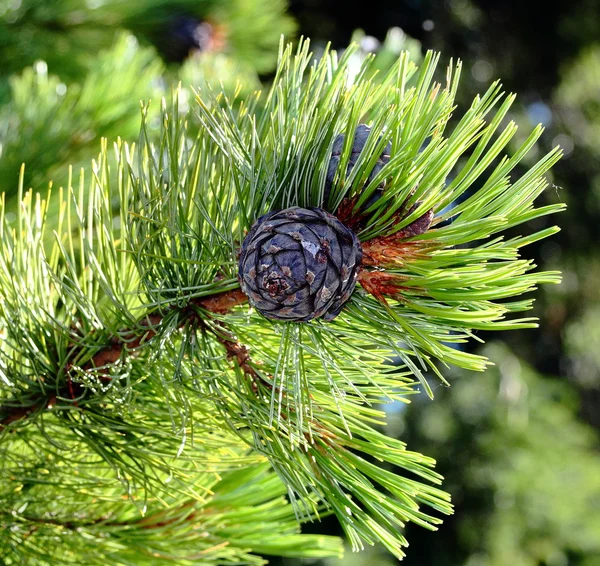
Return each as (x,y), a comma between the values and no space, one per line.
(186,35)
(360,139)
(298,264)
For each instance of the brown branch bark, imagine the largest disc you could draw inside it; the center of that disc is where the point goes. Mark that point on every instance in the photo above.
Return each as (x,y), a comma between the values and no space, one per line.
(238,352)
(235,350)
(219,303)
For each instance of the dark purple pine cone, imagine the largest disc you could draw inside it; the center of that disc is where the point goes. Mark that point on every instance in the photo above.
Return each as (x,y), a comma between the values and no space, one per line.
(298,264)
(360,139)
(186,35)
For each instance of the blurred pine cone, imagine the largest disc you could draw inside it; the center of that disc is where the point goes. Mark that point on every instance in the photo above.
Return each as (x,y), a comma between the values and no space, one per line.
(298,264)
(185,36)
(360,139)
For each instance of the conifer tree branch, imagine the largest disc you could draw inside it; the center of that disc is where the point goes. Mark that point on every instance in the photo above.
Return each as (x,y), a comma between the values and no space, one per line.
(438,268)
(186,531)
(128,341)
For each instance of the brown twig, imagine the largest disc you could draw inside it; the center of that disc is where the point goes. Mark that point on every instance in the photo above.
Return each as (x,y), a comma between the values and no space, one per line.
(223,302)
(111,353)
(237,351)
(19,413)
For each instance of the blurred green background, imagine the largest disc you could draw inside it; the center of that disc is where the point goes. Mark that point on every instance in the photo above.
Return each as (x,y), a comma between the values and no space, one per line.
(518,445)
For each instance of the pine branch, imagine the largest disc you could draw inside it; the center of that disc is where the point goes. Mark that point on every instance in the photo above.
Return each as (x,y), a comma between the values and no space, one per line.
(302,395)
(105,103)
(248,30)
(428,290)
(188,530)
(128,342)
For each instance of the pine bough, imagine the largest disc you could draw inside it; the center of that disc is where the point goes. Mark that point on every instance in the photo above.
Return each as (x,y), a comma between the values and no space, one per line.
(148,414)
